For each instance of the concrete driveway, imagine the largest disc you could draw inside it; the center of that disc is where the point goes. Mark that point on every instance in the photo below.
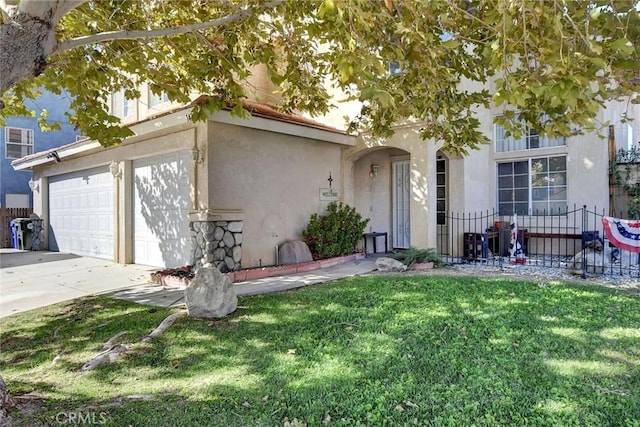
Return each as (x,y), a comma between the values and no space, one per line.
(30,280)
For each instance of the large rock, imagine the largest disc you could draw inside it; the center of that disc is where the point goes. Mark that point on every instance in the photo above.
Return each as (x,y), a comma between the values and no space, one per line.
(625,258)
(210,294)
(294,252)
(597,261)
(386,265)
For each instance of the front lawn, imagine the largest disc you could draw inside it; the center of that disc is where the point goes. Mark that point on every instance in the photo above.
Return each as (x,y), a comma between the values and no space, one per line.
(376,350)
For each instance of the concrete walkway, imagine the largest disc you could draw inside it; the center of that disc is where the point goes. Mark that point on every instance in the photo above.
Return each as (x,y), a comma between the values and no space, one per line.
(30,280)
(173,296)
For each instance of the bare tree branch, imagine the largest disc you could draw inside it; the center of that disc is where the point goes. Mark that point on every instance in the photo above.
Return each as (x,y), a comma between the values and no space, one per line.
(48,10)
(65,7)
(144,34)
(4,10)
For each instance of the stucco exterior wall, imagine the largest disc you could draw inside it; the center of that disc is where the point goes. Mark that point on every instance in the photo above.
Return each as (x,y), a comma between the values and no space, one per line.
(274,179)
(587,163)
(588,172)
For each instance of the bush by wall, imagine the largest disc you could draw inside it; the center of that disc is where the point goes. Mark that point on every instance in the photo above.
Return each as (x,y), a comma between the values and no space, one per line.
(336,233)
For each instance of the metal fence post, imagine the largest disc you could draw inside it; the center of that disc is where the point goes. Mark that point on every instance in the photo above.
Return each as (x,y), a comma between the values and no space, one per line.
(584,250)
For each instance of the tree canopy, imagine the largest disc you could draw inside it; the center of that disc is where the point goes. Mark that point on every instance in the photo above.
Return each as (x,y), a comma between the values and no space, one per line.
(551,64)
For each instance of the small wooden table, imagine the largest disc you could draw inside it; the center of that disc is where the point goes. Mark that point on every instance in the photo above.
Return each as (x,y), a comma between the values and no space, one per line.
(375,236)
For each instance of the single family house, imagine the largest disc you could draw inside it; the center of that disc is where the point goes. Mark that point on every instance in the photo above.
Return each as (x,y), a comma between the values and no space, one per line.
(230,190)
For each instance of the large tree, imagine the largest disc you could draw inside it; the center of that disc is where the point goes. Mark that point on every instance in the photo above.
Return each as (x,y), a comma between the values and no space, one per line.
(560,58)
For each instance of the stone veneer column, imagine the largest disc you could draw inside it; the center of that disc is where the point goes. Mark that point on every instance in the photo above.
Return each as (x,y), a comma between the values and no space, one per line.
(37,237)
(217,239)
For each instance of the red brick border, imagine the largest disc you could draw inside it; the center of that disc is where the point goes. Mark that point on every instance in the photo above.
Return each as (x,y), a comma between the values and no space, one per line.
(163,277)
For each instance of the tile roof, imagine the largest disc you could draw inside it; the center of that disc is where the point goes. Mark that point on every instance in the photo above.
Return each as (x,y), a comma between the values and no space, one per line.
(256,109)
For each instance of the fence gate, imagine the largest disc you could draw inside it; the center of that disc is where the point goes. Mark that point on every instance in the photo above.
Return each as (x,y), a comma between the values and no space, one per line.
(6,215)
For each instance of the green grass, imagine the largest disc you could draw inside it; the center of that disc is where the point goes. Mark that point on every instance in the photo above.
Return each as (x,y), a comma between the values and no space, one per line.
(378,350)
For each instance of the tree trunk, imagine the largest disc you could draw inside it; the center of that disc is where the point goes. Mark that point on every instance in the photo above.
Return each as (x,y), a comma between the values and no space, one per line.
(25,44)
(28,37)
(6,401)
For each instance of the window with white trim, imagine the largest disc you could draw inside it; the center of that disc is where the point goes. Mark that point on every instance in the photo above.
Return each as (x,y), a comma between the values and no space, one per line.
(120,105)
(441,191)
(18,142)
(17,200)
(528,141)
(536,186)
(155,100)
(394,68)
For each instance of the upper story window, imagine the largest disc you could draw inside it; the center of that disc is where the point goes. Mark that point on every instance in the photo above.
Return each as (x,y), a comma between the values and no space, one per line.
(155,100)
(530,140)
(394,68)
(120,105)
(18,142)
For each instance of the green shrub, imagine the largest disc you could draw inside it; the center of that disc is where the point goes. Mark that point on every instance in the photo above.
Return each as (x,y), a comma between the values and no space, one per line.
(336,233)
(415,255)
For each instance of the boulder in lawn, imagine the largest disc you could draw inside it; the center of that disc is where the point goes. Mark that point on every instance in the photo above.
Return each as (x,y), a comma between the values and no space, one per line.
(210,294)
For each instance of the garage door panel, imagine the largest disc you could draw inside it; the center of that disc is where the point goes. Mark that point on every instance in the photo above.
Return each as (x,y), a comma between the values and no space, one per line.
(81,213)
(161,203)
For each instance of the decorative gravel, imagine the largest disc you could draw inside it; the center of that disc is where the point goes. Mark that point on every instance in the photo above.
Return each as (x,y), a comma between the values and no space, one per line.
(628,278)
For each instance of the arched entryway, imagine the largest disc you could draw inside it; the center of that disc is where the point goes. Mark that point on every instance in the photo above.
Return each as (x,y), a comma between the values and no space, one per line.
(382,192)
(393,182)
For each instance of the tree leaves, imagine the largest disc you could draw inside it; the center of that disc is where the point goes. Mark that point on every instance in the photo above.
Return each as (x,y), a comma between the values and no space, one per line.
(559,59)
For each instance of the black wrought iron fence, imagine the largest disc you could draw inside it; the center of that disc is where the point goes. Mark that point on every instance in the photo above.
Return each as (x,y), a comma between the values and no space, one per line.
(563,239)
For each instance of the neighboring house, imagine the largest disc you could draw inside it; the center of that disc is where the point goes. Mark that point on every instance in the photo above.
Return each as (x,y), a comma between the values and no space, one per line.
(21,137)
(229,191)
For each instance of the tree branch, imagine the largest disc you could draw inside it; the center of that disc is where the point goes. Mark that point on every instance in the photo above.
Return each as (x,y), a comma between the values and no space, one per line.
(4,11)
(66,7)
(48,10)
(145,34)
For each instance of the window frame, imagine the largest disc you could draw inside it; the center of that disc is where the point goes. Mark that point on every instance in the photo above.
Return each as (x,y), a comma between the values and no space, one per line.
(441,192)
(156,100)
(29,143)
(549,200)
(127,106)
(503,144)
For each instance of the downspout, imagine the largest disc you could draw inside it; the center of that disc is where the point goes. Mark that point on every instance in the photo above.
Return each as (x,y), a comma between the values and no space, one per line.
(196,158)
(612,159)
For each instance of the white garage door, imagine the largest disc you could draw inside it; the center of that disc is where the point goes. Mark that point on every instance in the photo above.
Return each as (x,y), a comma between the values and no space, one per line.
(161,204)
(81,213)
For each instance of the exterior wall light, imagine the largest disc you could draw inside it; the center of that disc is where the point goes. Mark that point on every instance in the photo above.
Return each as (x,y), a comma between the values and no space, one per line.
(114,168)
(374,171)
(34,185)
